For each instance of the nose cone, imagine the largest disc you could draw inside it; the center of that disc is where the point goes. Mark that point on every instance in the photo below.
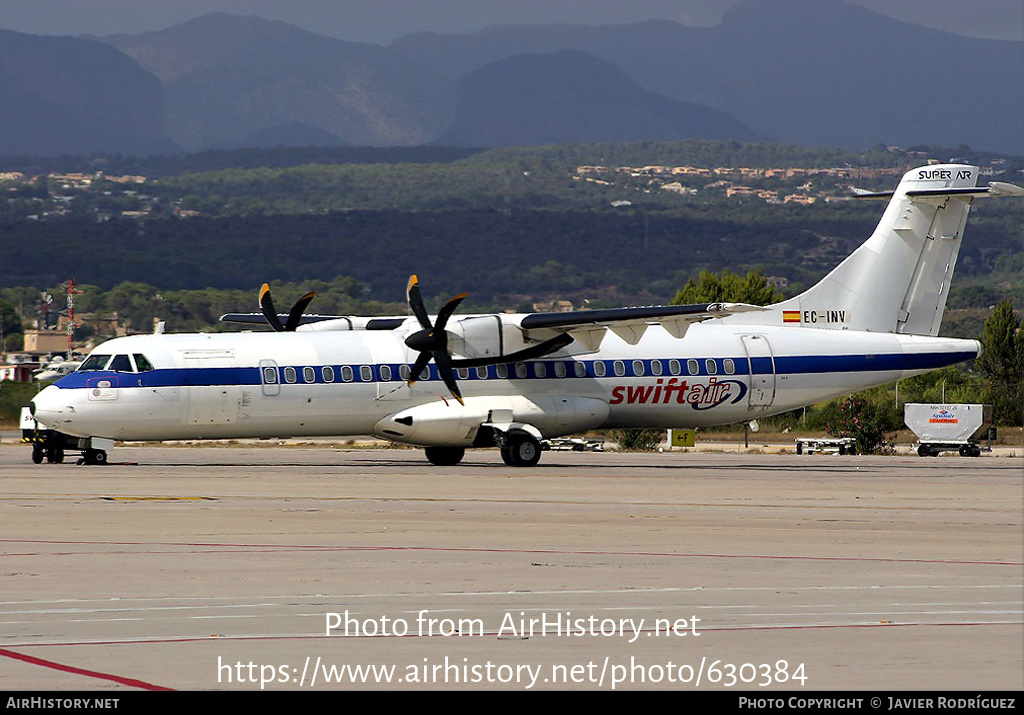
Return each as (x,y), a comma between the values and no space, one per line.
(49,408)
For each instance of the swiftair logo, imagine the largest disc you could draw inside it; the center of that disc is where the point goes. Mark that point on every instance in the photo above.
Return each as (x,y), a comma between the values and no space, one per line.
(700,395)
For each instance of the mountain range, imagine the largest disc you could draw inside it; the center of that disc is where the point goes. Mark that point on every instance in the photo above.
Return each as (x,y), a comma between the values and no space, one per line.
(811,72)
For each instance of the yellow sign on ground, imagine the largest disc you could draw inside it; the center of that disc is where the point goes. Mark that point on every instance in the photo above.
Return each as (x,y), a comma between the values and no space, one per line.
(682,437)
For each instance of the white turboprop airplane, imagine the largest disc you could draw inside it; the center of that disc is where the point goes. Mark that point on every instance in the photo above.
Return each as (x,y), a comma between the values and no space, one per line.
(511,380)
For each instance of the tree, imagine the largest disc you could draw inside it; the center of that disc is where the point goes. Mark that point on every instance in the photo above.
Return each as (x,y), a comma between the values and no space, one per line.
(728,287)
(11,331)
(1002,364)
(639,439)
(864,420)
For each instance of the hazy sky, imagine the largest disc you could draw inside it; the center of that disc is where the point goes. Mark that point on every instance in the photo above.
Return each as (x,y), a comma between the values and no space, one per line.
(380,21)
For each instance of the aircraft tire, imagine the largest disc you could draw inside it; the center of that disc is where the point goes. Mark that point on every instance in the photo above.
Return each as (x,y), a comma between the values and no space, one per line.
(55,455)
(445,456)
(38,454)
(521,450)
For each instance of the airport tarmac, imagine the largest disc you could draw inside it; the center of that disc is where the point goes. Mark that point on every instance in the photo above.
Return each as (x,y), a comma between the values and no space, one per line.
(221,568)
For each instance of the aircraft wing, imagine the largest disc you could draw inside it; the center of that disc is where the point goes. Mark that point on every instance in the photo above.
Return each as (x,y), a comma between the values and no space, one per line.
(260,319)
(342,322)
(589,326)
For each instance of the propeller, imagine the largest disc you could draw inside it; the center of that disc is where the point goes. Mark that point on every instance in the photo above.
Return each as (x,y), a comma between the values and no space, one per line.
(432,341)
(294,315)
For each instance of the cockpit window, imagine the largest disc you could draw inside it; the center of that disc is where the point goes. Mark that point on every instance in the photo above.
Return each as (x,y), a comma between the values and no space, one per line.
(142,363)
(94,362)
(121,363)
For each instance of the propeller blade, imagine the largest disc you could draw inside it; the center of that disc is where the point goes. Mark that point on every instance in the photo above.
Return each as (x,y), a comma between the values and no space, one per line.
(531,353)
(295,314)
(268,310)
(444,367)
(417,368)
(416,302)
(447,310)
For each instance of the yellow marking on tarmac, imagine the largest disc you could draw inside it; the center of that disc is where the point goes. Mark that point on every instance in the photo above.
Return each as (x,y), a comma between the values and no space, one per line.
(159,498)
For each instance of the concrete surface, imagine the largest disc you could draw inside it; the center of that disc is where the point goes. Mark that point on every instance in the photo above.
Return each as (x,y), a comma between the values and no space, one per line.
(219,568)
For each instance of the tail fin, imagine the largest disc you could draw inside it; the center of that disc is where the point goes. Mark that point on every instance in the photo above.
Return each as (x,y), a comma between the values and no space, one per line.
(898,280)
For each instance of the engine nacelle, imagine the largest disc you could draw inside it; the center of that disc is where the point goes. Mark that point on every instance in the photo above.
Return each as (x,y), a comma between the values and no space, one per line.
(450,424)
(485,336)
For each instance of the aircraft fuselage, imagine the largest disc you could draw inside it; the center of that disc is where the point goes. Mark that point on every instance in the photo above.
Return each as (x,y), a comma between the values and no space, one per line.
(217,386)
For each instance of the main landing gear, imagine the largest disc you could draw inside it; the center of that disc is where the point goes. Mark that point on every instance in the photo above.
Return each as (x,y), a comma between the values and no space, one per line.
(520,450)
(445,456)
(517,450)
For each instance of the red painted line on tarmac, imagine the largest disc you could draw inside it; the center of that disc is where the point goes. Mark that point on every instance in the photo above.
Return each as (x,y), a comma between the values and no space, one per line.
(130,682)
(298,548)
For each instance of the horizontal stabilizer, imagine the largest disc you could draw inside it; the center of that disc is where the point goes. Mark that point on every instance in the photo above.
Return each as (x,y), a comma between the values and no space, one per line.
(995,189)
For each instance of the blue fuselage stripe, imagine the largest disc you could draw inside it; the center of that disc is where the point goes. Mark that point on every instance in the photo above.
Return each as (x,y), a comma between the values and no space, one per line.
(594,369)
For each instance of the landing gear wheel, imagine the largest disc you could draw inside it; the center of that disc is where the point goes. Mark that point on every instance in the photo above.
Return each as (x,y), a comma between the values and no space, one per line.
(38,453)
(55,455)
(521,450)
(445,456)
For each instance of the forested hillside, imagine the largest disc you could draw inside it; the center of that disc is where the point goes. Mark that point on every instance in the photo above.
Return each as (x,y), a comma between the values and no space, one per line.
(595,224)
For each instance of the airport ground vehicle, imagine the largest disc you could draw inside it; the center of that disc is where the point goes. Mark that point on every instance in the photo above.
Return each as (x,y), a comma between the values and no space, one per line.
(949,428)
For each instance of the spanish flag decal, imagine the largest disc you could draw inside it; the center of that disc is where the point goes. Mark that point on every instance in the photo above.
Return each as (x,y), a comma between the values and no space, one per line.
(791,316)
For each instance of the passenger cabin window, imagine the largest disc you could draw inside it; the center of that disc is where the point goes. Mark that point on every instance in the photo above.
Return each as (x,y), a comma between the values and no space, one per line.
(599,368)
(730,366)
(540,369)
(94,362)
(346,373)
(270,375)
(674,367)
(638,368)
(385,373)
(656,367)
(580,369)
(121,363)
(328,373)
(712,366)
(366,373)
(142,364)
(693,367)
(309,374)
(290,376)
